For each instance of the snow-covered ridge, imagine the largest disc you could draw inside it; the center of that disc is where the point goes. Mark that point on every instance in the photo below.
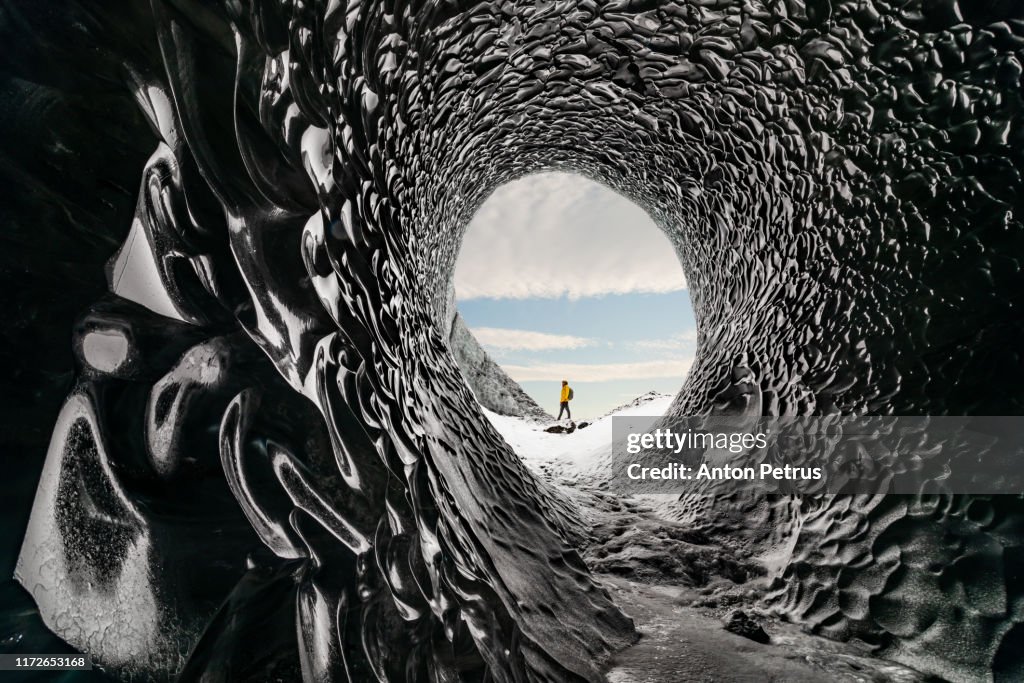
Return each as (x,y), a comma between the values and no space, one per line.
(651,397)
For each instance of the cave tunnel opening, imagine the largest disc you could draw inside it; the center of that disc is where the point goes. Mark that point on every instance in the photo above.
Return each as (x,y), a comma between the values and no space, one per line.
(560,277)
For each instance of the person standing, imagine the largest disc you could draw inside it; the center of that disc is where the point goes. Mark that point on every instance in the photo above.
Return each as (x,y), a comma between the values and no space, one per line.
(564,400)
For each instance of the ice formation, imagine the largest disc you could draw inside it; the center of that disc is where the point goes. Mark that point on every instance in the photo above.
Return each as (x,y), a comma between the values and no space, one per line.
(270,441)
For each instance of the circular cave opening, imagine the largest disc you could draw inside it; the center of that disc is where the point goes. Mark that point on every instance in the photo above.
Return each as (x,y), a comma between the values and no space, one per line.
(561,278)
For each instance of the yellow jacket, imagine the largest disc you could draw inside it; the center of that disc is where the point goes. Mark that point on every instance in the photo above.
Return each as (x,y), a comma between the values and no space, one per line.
(565,394)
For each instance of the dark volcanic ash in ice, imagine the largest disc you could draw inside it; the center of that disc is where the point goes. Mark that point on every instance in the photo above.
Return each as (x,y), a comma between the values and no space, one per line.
(269,433)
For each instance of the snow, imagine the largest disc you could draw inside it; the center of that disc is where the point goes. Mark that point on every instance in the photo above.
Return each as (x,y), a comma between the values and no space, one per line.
(674,579)
(579,455)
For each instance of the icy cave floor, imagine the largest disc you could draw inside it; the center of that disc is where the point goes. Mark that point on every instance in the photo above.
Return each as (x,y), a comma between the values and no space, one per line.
(679,584)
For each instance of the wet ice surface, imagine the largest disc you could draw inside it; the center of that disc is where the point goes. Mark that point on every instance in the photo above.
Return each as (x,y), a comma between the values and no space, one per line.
(689,645)
(677,581)
(268,432)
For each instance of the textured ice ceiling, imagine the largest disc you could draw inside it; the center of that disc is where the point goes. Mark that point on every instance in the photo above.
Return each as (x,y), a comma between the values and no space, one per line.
(268,408)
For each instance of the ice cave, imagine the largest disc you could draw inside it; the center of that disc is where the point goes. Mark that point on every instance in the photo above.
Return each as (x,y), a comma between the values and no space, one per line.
(264,459)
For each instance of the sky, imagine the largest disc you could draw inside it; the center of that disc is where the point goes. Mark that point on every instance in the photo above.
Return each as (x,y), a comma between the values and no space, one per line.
(561,278)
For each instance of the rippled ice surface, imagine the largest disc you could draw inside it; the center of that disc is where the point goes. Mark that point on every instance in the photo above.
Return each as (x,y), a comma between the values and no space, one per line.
(268,431)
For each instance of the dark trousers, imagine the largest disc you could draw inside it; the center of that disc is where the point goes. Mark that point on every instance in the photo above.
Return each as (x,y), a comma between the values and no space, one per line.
(564,405)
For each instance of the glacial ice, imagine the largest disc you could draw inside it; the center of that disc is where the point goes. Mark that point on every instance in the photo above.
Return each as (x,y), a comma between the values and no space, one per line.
(841,180)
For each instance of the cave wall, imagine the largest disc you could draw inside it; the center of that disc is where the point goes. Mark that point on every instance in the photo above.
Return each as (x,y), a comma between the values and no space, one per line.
(840,179)
(72,142)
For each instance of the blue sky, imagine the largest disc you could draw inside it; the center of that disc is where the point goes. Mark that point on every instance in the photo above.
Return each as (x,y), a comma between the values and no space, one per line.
(561,277)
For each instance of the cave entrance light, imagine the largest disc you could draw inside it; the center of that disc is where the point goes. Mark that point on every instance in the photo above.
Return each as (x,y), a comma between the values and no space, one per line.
(559,277)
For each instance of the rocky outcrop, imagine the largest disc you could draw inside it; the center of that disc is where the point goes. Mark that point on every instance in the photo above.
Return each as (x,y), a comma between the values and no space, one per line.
(493,388)
(742,624)
(561,428)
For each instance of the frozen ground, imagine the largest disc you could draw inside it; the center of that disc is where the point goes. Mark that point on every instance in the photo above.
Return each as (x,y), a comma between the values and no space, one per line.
(677,582)
(579,458)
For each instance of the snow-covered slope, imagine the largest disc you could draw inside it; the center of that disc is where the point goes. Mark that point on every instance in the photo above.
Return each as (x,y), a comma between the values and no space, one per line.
(582,455)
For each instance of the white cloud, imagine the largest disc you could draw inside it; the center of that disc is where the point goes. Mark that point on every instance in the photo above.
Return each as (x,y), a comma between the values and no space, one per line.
(677,342)
(599,372)
(557,234)
(527,340)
